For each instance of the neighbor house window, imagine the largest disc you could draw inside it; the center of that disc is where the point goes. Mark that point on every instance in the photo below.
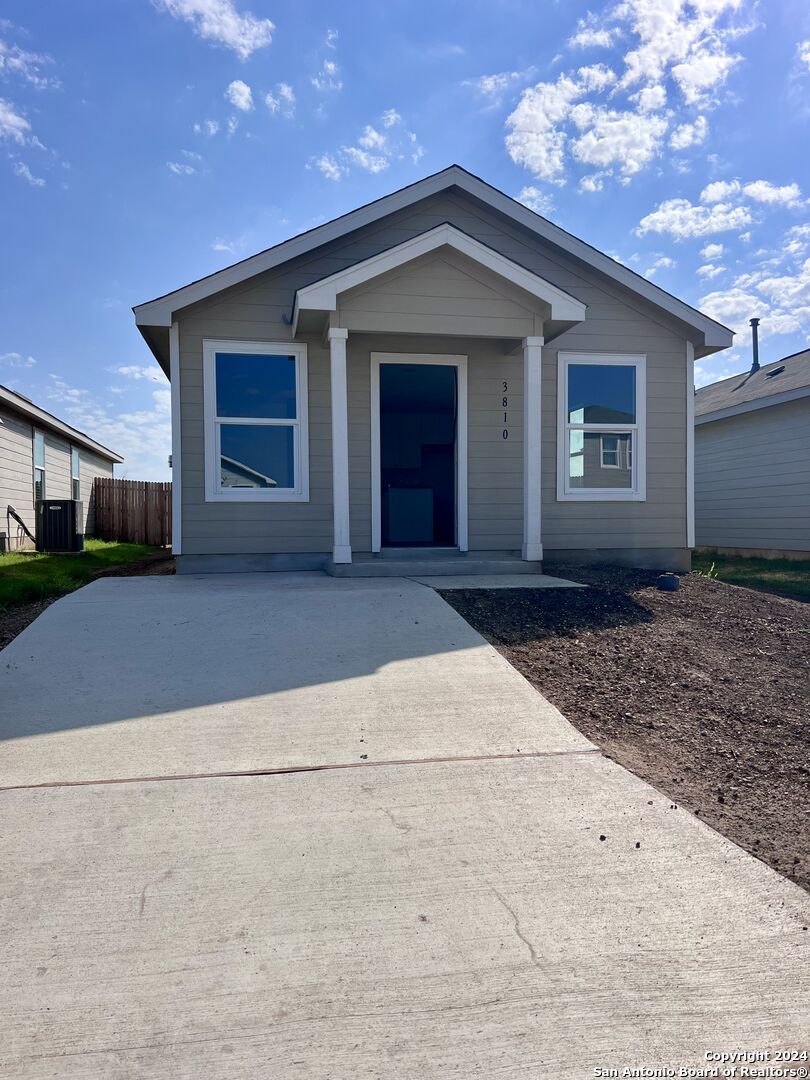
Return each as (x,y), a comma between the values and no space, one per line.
(39,465)
(256,421)
(75,476)
(601,419)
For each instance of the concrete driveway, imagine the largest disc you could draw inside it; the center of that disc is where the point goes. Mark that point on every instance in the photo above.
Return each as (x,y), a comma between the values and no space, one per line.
(522,907)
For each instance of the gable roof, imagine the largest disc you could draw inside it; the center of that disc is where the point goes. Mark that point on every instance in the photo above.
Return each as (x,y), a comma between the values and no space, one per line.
(710,336)
(41,418)
(774,383)
(321,296)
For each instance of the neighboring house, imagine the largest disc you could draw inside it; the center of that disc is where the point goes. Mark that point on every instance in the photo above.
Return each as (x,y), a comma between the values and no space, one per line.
(441,368)
(41,457)
(752,460)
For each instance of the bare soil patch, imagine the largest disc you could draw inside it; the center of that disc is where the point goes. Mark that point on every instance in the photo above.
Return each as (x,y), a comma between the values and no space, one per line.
(704,692)
(15,619)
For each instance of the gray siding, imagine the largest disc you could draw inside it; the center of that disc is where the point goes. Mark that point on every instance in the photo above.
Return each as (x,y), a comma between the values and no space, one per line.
(617,321)
(752,479)
(16,477)
(90,466)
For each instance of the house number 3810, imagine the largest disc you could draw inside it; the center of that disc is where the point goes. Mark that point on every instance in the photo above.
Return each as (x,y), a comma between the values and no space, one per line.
(505,404)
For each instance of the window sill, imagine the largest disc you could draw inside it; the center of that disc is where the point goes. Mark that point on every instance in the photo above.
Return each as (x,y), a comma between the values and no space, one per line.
(257,497)
(595,495)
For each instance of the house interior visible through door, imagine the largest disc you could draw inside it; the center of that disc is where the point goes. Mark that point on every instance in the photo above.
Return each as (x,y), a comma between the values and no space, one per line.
(418,426)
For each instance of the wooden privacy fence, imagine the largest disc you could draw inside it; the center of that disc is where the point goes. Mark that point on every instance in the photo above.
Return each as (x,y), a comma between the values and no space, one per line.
(137,511)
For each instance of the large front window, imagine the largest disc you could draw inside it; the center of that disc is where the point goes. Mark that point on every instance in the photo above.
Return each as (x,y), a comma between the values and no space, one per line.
(601,427)
(256,421)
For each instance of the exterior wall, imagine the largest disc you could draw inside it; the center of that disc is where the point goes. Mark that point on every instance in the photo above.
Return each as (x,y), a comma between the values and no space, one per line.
(617,321)
(90,466)
(752,480)
(16,478)
(57,467)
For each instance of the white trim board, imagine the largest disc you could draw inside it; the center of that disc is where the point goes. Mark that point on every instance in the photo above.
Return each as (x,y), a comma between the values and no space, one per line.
(460,363)
(690,445)
(159,312)
(177,440)
(322,295)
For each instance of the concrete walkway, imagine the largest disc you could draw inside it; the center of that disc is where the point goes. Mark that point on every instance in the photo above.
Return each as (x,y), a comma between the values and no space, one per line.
(510,916)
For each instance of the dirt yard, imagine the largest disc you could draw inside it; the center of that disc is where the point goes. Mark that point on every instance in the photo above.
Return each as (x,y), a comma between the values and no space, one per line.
(15,619)
(704,692)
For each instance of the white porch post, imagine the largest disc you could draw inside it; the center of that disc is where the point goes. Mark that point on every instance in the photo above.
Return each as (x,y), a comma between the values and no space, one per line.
(532,357)
(342,550)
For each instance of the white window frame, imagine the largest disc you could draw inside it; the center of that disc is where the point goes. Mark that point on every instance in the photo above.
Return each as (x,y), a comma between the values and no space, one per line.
(637,492)
(39,468)
(76,478)
(214,492)
(602,452)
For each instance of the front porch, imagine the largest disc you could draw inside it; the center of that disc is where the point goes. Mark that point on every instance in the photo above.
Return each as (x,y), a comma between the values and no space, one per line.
(445,287)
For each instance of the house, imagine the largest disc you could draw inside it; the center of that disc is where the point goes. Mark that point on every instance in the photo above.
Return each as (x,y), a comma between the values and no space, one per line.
(752,460)
(440,370)
(41,457)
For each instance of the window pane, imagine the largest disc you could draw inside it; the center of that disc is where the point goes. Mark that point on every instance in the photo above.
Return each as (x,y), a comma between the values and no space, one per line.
(599,460)
(252,385)
(74,463)
(39,450)
(257,456)
(601,394)
(76,489)
(39,484)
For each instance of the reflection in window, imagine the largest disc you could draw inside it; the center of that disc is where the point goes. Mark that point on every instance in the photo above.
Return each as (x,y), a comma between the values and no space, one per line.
(599,460)
(257,456)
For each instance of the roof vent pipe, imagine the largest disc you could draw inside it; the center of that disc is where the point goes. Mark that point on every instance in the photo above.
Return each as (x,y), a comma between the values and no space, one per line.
(754,323)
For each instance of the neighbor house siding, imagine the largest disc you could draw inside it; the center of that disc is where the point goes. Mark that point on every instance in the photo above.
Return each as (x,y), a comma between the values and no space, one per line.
(16,477)
(752,479)
(617,321)
(90,466)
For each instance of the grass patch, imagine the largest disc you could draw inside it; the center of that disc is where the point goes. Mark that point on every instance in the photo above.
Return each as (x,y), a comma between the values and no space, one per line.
(25,577)
(785,577)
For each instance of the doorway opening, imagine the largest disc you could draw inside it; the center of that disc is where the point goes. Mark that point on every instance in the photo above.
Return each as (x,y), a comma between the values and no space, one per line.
(418,454)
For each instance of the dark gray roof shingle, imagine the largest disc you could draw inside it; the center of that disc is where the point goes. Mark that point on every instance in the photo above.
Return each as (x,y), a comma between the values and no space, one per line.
(778,377)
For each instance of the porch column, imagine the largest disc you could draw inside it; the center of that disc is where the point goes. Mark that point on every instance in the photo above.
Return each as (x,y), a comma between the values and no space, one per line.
(532,357)
(342,550)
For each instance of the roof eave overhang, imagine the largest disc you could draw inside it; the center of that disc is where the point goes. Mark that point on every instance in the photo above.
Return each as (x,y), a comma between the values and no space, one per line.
(40,417)
(322,296)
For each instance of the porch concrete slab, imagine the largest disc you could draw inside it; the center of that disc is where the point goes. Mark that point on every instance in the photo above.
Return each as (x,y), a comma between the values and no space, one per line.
(499,581)
(140,677)
(459,919)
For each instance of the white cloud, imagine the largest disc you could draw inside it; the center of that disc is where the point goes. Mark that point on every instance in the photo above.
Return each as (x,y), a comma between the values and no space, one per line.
(781,300)
(682,220)
(331,39)
(283,101)
(140,430)
(588,37)
(539,201)
(327,78)
(651,98)
(16,360)
(371,139)
(19,63)
(207,127)
(495,86)
(150,372)
(719,190)
(594,182)
(663,262)
(374,152)
(536,139)
(687,135)
(13,126)
(702,72)
(711,251)
(330,168)
(180,168)
(803,53)
(22,170)
(709,270)
(625,139)
(764,191)
(240,95)
(220,22)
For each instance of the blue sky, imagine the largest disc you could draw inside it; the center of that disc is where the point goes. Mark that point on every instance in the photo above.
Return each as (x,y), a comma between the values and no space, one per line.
(145,143)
